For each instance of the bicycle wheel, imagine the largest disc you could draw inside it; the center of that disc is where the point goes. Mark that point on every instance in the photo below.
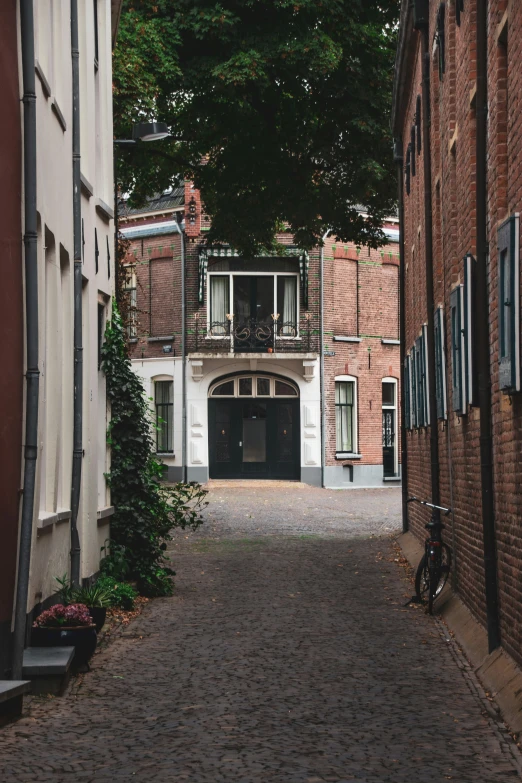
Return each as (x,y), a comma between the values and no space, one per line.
(422,577)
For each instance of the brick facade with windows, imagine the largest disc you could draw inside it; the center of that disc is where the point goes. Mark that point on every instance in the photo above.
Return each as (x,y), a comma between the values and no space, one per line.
(361,337)
(452,47)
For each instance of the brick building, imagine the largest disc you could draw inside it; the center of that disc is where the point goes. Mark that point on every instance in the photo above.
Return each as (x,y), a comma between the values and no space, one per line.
(458,127)
(254,385)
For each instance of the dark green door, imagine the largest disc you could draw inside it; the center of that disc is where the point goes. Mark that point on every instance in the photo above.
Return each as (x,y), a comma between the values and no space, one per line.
(254,439)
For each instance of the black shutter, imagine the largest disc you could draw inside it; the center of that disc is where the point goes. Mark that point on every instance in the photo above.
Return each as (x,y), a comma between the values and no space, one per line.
(468,328)
(418,117)
(440,369)
(406,392)
(419,358)
(459,8)
(441,40)
(456,352)
(412,144)
(414,417)
(407,170)
(508,305)
(96,251)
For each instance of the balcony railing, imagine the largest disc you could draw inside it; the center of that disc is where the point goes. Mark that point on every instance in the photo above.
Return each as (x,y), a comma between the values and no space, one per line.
(252,336)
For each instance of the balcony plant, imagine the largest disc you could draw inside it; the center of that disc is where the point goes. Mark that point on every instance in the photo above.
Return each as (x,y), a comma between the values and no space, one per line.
(66,626)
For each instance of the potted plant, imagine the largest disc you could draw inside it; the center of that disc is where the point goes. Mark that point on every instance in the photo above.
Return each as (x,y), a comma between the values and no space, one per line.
(66,626)
(96,598)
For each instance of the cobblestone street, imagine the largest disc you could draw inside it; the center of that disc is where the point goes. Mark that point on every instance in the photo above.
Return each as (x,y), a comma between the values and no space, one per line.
(286,655)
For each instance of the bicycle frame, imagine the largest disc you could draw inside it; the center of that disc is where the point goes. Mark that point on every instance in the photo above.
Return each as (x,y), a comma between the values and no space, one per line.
(433,549)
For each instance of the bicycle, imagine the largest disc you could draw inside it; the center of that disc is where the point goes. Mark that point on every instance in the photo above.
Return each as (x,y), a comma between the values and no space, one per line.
(434,567)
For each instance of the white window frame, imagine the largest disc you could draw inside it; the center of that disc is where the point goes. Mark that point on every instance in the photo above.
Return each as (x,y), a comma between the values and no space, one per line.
(231,276)
(162,379)
(254,377)
(355,413)
(394,407)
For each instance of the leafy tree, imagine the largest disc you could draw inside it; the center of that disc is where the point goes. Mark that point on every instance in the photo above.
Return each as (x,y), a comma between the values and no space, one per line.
(278,109)
(145,510)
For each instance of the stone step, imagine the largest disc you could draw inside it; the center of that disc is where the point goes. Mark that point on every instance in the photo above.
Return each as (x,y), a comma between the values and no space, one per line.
(12,698)
(48,668)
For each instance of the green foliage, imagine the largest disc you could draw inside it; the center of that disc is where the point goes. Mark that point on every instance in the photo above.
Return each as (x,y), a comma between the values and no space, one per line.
(279,111)
(145,510)
(95,596)
(66,591)
(121,594)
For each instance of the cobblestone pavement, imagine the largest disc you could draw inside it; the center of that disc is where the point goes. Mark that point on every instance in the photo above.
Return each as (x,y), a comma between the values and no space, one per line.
(280,659)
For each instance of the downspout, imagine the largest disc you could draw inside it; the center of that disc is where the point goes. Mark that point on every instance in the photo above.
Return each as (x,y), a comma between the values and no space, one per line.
(321,360)
(430,299)
(183,357)
(398,157)
(31,325)
(76,480)
(482,312)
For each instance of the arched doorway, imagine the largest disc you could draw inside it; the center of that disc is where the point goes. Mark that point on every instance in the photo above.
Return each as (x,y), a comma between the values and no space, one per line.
(254,427)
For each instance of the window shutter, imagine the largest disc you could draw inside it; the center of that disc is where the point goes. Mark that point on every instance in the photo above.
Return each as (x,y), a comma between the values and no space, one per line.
(468,328)
(440,364)
(419,359)
(414,418)
(509,304)
(418,118)
(458,397)
(412,143)
(406,393)
(426,374)
(407,171)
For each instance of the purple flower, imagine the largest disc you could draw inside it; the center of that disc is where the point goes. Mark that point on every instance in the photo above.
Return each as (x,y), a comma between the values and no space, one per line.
(64,616)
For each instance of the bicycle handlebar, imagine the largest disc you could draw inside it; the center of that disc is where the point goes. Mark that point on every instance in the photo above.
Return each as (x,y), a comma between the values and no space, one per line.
(447,511)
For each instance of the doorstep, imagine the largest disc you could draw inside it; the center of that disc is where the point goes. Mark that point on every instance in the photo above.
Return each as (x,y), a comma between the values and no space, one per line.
(12,699)
(48,668)
(497,671)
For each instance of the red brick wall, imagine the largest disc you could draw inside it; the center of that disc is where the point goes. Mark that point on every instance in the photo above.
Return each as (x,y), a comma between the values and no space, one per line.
(454,228)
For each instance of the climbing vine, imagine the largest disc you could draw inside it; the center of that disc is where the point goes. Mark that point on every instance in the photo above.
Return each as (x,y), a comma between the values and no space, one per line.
(145,509)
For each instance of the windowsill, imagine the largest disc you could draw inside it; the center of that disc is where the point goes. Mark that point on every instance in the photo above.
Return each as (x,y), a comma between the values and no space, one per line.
(347,455)
(386,341)
(165,454)
(104,211)
(341,339)
(48,518)
(391,478)
(104,514)
(133,339)
(167,338)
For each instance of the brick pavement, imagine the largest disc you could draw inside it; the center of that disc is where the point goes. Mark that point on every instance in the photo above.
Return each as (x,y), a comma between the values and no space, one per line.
(281,659)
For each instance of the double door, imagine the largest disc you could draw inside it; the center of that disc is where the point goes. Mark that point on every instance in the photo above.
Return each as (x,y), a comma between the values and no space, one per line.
(254,438)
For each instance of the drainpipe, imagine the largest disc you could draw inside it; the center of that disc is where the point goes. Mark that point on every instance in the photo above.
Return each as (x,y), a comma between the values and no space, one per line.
(430,300)
(483,336)
(179,220)
(321,360)
(31,324)
(76,480)
(399,160)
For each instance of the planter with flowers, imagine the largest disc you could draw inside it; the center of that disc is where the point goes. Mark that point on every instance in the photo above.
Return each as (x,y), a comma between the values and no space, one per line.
(66,626)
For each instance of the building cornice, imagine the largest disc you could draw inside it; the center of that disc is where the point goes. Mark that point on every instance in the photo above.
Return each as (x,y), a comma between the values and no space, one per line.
(406,51)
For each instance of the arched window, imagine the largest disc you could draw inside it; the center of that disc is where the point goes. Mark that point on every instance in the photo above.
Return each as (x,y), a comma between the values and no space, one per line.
(254,386)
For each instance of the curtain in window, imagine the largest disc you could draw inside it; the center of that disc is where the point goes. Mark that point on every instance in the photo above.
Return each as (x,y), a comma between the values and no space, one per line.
(344,416)
(219,304)
(288,306)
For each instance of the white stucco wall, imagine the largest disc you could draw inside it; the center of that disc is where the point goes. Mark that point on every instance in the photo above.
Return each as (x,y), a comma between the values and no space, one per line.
(51,529)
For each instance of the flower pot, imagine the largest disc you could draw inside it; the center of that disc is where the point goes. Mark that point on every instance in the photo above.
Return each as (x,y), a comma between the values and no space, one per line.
(82,637)
(98,614)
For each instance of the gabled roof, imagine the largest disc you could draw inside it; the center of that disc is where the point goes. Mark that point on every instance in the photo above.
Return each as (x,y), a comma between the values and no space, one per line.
(160,202)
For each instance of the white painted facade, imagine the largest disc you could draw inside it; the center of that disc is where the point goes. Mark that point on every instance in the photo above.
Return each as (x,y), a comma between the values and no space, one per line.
(202,371)
(51,529)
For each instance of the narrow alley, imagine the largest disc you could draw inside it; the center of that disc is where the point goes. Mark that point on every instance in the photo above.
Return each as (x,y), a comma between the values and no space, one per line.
(286,655)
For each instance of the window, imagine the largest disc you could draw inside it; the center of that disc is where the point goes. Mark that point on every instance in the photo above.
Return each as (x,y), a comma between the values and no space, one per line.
(254,386)
(469,369)
(458,385)
(440,364)
(390,456)
(345,422)
(426,374)
(440,39)
(219,304)
(420,376)
(101,330)
(251,300)
(132,301)
(412,144)
(96,33)
(509,304)
(407,171)
(164,398)
(459,8)
(418,118)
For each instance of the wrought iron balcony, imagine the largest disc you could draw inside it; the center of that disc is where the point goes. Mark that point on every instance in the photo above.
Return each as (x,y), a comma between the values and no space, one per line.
(252,336)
